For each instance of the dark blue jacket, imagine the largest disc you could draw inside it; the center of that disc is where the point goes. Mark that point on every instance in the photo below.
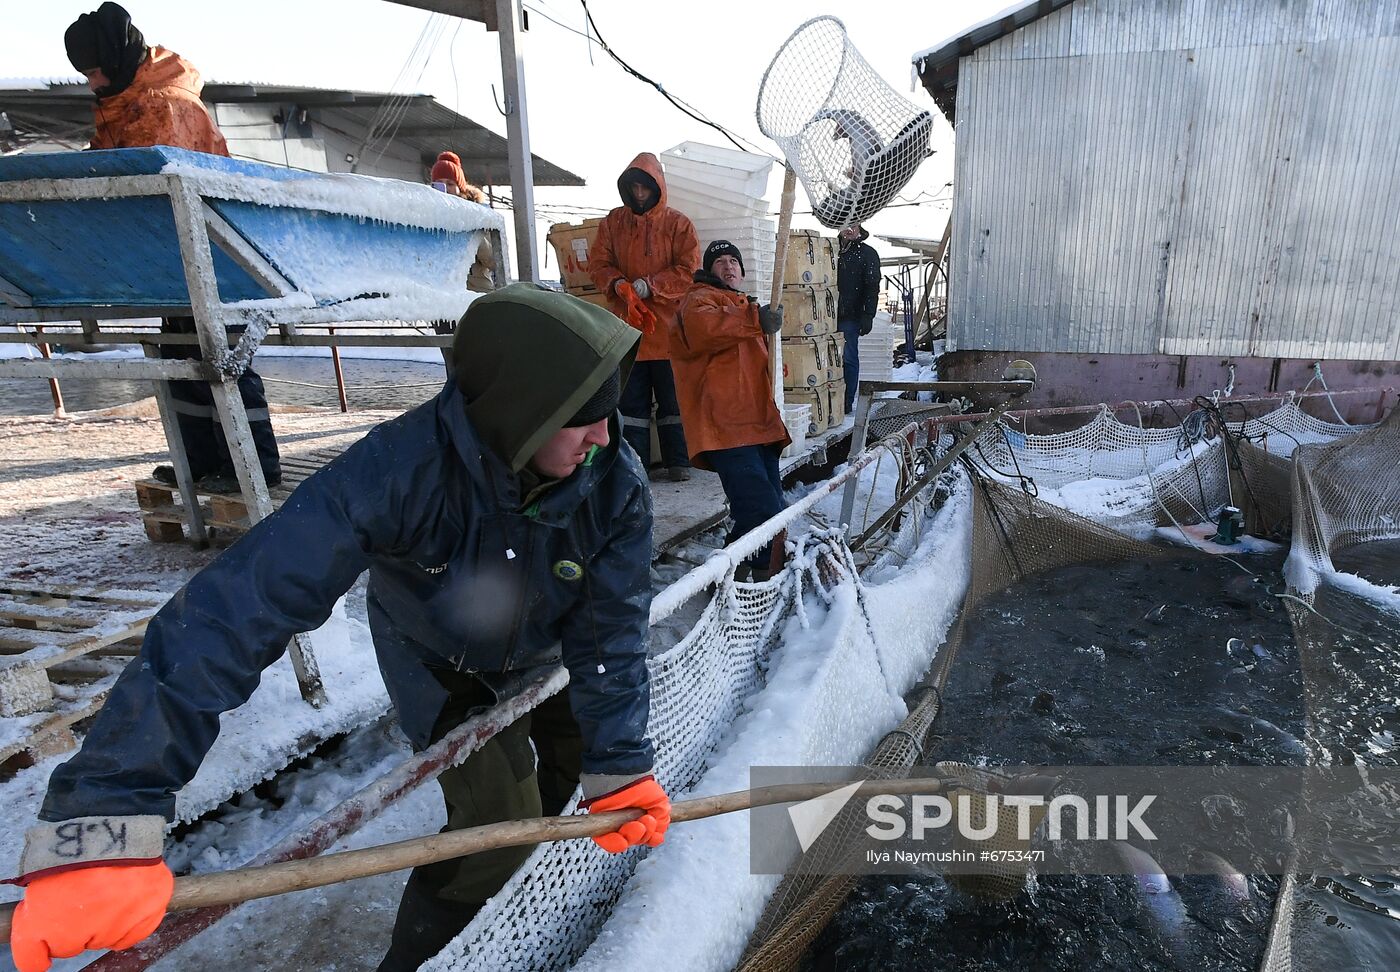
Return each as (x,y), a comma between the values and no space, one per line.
(460,577)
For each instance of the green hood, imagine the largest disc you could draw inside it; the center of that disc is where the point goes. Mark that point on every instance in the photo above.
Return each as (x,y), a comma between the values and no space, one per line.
(526,360)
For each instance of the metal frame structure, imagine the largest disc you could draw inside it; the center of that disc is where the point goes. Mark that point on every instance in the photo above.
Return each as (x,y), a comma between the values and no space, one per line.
(199,228)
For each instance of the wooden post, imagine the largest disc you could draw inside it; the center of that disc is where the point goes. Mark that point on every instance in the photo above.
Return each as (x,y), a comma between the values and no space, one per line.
(339,373)
(54,390)
(775,292)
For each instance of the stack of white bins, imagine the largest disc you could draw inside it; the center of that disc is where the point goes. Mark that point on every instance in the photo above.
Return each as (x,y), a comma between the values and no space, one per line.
(877,349)
(722,191)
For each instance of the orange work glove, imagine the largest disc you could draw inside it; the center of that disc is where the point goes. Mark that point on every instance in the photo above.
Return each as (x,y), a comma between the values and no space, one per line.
(104,906)
(639,315)
(650,829)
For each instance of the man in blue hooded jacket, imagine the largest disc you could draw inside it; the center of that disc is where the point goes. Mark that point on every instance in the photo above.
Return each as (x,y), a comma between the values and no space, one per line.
(504,526)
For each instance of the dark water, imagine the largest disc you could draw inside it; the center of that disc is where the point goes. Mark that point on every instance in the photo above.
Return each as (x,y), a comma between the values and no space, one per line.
(1129,664)
(371,383)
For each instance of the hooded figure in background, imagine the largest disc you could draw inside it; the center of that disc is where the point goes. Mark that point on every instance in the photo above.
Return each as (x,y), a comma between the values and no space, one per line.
(150,96)
(504,529)
(145,95)
(720,351)
(857,300)
(646,252)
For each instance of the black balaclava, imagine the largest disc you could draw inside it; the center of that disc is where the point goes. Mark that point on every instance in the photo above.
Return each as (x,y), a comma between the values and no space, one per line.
(106,39)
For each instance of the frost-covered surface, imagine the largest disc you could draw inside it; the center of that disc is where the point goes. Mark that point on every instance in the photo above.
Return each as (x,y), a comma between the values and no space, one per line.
(831,693)
(368,197)
(1014,8)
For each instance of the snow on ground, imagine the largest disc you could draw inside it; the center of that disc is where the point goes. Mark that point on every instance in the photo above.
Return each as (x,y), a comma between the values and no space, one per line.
(831,693)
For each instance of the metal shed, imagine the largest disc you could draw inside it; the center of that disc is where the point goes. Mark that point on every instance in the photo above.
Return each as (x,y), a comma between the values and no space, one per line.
(1178,184)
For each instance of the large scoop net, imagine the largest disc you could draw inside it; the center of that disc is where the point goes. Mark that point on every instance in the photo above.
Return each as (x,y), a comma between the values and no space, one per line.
(851,139)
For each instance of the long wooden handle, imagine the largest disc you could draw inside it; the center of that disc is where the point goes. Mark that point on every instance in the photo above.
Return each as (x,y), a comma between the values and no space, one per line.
(775,291)
(248,883)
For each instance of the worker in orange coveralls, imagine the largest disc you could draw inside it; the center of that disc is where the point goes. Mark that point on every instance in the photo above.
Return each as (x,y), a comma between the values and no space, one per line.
(646,250)
(150,96)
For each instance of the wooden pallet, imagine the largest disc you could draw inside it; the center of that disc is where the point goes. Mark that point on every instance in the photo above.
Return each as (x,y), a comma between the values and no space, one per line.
(225,514)
(61,648)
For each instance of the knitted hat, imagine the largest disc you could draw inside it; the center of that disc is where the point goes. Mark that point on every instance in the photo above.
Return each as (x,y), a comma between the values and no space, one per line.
(603,403)
(448,169)
(721,248)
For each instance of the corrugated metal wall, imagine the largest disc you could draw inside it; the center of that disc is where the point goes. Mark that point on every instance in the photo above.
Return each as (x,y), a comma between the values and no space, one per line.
(1182,177)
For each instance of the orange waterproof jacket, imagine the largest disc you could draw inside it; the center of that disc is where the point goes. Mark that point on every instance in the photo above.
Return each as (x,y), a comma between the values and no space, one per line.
(720,358)
(658,245)
(160,107)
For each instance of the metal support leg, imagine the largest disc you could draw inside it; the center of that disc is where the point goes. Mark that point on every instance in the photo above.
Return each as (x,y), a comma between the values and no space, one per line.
(194,516)
(848,496)
(206,306)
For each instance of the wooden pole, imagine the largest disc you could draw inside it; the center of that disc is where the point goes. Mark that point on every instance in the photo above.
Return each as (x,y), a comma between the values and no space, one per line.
(339,374)
(54,390)
(775,291)
(249,883)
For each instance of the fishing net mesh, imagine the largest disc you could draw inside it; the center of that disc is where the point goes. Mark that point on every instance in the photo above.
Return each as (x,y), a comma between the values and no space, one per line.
(851,139)
(1339,492)
(1015,535)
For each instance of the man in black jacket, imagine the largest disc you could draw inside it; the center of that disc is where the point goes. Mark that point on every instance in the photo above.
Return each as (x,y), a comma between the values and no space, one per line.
(503,529)
(858,295)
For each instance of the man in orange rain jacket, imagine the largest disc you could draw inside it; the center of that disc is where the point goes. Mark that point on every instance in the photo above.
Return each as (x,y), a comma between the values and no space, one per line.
(653,248)
(720,354)
(150,96)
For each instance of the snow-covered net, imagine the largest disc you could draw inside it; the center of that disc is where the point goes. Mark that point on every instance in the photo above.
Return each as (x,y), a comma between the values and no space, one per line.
(851,139)
(549,912)
(1136,479)
(1344,493)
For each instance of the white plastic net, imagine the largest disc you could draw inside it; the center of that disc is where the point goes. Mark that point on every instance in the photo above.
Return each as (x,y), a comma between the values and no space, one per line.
(851,139)
(553,906)
(1344,493)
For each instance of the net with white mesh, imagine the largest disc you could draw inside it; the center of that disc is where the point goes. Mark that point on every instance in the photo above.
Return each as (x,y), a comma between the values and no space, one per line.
(851,139)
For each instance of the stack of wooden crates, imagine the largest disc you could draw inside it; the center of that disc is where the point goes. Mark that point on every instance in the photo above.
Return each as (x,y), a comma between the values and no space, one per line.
(571,243)
(812,347)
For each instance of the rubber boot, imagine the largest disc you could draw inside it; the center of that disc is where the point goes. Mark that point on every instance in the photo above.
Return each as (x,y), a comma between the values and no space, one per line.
(424,925)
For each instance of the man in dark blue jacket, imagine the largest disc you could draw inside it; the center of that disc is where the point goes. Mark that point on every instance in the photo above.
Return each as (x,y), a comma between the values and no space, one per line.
(504,526)
(858,297)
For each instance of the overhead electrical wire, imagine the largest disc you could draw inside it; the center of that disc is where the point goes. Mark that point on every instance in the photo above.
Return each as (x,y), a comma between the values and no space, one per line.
(679,103)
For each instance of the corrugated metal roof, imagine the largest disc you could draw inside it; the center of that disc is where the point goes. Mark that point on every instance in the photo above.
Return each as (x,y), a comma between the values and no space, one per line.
(63,109)
(938,66)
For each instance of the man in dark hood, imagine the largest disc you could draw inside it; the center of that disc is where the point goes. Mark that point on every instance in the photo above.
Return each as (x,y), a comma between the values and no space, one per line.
(858,297)
(646,247)
(106,46)
(151,96)
(503,529)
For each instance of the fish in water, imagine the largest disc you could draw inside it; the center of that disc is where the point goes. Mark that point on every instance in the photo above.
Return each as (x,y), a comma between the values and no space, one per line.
(1255,726)
(1228,876)
(1160,901)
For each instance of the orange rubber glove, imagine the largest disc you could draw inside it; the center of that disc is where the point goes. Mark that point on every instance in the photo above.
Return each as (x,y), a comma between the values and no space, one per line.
(105,906)
(639,315)
(650,829)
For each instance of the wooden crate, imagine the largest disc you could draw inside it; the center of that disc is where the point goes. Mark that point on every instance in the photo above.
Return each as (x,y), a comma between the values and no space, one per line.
(61,649)
(225,514)
(571,242)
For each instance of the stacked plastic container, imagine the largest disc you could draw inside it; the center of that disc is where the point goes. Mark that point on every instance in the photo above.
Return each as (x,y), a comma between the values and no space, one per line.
(877,349)
(722,191)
